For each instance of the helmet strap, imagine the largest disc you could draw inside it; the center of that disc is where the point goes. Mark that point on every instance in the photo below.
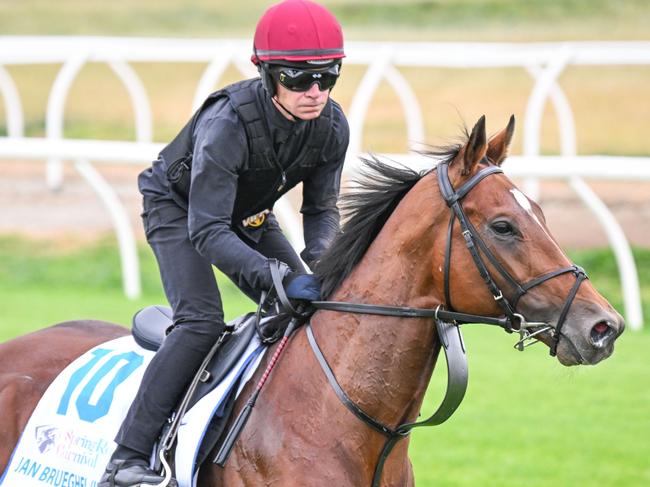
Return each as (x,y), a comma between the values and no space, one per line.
(269,85)
(275,99)
(267,79)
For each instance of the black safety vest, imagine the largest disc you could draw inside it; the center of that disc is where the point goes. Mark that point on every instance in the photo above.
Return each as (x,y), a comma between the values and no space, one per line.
(263,180)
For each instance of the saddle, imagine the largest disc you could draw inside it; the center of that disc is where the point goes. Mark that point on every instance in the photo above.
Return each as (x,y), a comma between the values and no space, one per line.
(150,327)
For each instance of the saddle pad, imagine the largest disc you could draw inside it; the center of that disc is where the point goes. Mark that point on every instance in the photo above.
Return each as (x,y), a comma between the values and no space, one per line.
(68,439)
(196,420)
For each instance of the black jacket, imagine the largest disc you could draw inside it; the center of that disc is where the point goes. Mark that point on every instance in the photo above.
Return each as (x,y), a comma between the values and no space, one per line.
(244,155)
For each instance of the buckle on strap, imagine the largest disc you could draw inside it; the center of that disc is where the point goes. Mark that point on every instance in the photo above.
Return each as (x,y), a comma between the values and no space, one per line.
(580,272)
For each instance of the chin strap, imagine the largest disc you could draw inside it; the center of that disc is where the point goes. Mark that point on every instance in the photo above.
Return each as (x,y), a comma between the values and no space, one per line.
(295,117)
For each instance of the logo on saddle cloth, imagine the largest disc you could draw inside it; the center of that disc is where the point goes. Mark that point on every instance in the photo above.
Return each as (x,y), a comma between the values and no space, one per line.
(257,220)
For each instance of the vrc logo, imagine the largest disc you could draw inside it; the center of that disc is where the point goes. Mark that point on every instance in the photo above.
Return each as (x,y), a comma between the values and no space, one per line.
(45,437)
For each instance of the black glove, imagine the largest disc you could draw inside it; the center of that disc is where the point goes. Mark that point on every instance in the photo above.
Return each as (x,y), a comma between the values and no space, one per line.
(302,286)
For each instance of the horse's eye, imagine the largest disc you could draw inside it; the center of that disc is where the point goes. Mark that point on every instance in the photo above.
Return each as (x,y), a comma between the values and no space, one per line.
(503,228)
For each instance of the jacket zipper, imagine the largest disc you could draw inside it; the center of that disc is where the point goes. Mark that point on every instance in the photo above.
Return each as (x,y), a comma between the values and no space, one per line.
(283,175)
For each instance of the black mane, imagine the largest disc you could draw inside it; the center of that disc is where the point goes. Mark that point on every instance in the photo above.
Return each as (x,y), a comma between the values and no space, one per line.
(365,210)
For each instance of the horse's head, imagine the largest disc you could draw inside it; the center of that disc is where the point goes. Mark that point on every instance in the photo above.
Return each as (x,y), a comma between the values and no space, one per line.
(542,290)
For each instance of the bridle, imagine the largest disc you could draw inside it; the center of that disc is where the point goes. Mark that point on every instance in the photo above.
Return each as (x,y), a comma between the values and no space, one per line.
(447,320)
(512,320)
(474,242)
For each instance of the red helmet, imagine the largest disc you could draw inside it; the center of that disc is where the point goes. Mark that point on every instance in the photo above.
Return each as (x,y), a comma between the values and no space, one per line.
(297,30)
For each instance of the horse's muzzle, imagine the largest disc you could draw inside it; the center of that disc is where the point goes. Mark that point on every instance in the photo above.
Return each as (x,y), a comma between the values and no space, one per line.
(593,341)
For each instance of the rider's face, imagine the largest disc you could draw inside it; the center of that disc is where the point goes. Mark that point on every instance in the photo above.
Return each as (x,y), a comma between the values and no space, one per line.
(305,105)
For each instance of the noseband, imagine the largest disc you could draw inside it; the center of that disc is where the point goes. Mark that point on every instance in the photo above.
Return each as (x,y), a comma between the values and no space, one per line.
(446,320)
(474,242)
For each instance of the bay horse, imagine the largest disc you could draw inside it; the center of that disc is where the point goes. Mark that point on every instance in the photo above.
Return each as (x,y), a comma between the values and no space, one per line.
(397,248)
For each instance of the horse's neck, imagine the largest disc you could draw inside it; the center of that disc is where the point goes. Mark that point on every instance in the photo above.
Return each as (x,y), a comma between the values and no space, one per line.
(384,363)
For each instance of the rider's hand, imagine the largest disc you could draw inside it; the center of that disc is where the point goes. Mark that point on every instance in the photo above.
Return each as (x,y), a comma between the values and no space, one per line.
(302,286)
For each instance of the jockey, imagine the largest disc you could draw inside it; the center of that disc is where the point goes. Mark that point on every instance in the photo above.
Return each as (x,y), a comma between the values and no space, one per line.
(208,200)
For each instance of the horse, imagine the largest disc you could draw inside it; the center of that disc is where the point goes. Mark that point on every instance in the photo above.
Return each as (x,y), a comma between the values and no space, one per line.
(398,247)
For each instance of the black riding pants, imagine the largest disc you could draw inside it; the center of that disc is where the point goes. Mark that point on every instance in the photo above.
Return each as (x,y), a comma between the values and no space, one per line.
(191,289)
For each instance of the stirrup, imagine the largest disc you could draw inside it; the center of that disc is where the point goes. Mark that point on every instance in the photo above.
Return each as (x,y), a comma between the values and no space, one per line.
(116,466)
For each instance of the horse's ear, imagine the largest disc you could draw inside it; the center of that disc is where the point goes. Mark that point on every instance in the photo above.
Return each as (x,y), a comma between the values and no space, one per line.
(498,145)
(476,147)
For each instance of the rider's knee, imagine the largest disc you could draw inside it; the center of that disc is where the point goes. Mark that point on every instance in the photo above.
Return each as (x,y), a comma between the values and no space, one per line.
(198,329)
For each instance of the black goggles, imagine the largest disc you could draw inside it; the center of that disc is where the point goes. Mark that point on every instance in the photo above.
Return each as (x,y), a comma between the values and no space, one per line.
(301,80)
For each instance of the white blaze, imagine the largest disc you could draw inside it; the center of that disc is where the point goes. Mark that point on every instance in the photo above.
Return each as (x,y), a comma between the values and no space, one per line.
(524,202)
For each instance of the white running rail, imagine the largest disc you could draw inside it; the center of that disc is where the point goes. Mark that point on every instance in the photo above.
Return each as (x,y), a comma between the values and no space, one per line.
(544,61)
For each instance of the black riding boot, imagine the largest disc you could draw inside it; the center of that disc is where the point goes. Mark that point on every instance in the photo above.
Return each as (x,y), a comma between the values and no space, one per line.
(128,468)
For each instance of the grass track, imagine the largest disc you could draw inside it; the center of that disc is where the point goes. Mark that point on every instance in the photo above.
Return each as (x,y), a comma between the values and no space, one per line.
(526,420)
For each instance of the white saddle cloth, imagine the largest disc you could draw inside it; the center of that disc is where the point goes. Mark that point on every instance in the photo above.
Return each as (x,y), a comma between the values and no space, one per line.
(69,438)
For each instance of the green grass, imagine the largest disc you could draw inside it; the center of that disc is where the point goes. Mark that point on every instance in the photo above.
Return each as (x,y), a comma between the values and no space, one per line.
(494,19)
(41,284)
(526,420)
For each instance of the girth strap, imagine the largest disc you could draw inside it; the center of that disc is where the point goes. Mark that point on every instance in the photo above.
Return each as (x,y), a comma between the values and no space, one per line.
(451,340)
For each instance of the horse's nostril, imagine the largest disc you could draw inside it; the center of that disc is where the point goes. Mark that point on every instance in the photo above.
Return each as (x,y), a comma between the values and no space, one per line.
(600,334)
(601,328)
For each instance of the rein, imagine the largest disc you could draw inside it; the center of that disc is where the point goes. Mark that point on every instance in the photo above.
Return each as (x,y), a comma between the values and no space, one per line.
(447,321)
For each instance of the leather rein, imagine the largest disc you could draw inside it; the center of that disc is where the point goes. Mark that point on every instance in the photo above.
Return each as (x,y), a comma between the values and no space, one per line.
(447,320)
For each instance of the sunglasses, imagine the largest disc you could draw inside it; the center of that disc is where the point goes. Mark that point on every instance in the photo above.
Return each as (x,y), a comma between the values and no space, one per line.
(300,80)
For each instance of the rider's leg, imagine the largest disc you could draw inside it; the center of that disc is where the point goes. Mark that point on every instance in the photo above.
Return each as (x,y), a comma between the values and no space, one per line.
(192,292)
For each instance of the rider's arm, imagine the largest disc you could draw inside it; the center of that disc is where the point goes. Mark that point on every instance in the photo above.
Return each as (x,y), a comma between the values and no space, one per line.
(220,151)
